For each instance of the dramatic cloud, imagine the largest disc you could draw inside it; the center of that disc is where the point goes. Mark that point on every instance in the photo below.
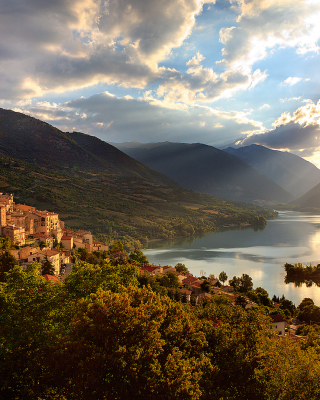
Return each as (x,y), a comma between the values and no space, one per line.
(264,25)
(119,119)
(299,132)
(68,44)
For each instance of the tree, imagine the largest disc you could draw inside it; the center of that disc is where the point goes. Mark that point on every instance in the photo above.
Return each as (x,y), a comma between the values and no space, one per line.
(47,267)
(169,280)
(243,284)
(138,257)
(205,286)
(181,268)
(117,247)
(83,253)
(223,277)
(7,262)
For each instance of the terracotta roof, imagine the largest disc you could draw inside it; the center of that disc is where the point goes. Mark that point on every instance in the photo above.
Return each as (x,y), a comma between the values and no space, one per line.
(185,291)
(50,278)
(278,318)
(66,238)
(189,280)
(149,268)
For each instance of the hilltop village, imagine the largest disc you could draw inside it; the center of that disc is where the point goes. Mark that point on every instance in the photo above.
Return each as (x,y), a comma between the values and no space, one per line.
(40,234)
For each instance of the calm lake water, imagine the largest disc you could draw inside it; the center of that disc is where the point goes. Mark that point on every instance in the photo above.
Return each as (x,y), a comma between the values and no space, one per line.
(292,237)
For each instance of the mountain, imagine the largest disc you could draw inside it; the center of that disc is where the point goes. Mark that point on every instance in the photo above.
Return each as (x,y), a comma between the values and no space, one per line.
(289,171)
(309,200)
(95,186)
(31,140)
(206,169)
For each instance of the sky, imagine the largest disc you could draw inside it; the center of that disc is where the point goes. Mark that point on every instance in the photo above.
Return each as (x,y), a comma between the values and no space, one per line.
(223,73)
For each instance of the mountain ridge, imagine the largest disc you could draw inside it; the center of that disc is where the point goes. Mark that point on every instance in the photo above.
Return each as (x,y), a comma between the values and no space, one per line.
(206,169)
(288,170)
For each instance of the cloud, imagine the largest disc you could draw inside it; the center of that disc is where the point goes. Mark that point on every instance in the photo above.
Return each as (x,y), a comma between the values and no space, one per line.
(265,107)
(200,84)
(299,131)
(292,80)
(267,25)
(119,119)
(69,44)
(290,99)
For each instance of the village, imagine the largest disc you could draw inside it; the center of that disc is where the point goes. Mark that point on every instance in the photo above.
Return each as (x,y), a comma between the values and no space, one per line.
(35,234)
(41,235)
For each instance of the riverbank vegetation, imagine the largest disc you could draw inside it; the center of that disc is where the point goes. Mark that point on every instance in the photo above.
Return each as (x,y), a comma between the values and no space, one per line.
(104,333)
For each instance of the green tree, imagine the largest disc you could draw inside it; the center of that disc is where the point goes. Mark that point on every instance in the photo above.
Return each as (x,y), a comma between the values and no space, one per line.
(138,257)
(87,278)
(132,347)
(169,280)
(47,267)
(181,268)
(7,262)
(243,284)
(223,277)
(205,286)
(117,247)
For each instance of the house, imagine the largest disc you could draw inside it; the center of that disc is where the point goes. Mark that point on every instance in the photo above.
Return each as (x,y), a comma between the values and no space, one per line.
(151,270)
(16,234)
(7,201)
(278,324)
(43,238)
(67,242)
(47,223)
(97,246)
(52,255)
(186,292)
(203,296)
(168,268)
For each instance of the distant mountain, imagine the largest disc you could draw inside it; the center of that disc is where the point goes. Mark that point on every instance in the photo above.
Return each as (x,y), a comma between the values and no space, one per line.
(206,169)
(95,186)
(311,199)
(289,171)
(31,140)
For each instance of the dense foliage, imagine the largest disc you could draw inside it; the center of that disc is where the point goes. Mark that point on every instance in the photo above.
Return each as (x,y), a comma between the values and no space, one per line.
(121,207)
(104,334)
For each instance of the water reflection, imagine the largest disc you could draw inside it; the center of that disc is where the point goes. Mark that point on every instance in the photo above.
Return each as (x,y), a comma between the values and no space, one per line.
(292,237)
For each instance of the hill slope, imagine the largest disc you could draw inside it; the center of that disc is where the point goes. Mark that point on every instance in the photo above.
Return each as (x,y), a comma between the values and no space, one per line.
(99,188)
(309,200)
(31,140)
(290,171)
(206,169)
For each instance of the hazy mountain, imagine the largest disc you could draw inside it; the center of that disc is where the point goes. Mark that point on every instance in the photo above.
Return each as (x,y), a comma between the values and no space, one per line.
(31,140)
(290,171)
(311,199)
(206,169)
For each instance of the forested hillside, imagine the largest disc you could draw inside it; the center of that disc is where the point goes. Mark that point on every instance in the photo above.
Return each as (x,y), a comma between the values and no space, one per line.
(94,186)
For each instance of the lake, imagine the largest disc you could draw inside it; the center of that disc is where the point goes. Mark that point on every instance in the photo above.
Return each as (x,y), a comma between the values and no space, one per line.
(292,237)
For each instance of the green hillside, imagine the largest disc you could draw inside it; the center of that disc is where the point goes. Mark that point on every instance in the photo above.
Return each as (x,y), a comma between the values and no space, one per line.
(124,199)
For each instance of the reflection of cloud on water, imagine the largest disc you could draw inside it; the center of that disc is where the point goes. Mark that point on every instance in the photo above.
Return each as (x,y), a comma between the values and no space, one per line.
(256,254)
(294,216)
